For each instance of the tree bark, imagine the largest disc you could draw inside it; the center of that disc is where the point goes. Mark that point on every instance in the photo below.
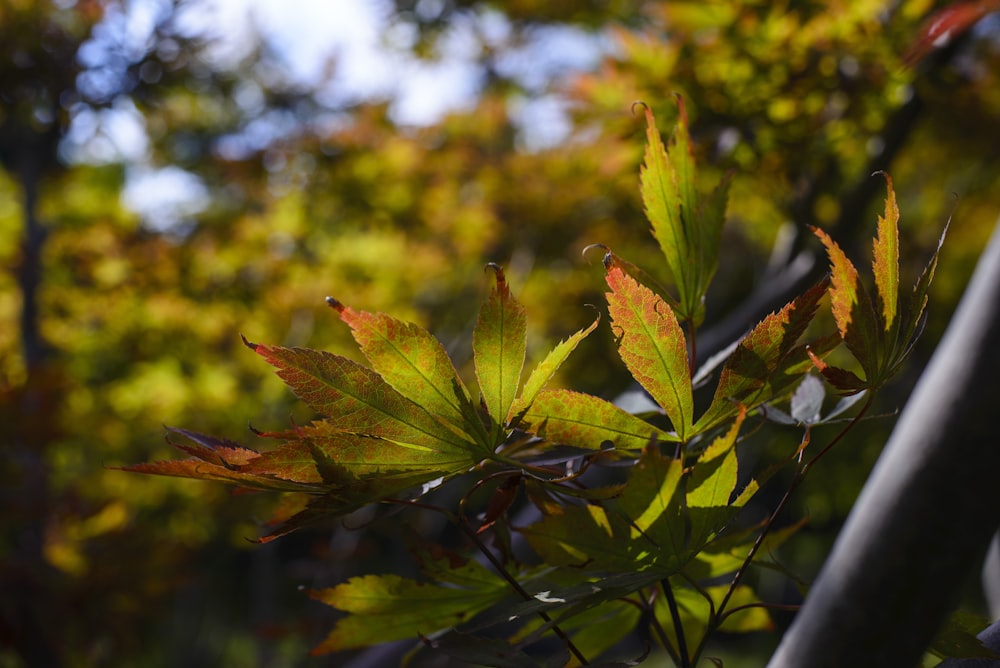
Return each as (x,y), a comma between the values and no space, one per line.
(926,514)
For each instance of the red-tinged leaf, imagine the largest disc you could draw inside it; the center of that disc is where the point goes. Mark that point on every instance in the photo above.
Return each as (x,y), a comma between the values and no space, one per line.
(219,460)
(199,469)
(846,382)
(416,365)
(652,346)
(388,607)
(586,421)
(499,343)
(356,399)
(853,310)
(503,496)
(844,287)
(764,362)
(639,274)
(322,446)
(945,25)
(220,451)
(885,259)
(661,197)
(542,374)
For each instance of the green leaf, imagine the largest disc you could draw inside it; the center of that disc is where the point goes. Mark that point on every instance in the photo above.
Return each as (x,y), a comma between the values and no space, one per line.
(586,421)
(687,231)
(542,374)
(880,340)
(498,343)
(695,611)
(661,197)
(360,454)
(416,365)
(388,607)
(349,495)
(713,479)
(582,536)
(356,399)
(711,486)
(615,619)
(885,259)
(651,501)
(652,346)
(957,639)
(764,362)
(918,301)
(471,650)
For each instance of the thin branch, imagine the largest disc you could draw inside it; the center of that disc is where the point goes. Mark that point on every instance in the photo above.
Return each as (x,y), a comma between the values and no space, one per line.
(675,615)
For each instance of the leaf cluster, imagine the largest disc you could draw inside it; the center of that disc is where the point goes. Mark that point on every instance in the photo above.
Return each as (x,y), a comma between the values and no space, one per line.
(659,548)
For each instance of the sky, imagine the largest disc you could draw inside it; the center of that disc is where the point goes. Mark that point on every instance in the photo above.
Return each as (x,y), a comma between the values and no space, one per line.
(370,60)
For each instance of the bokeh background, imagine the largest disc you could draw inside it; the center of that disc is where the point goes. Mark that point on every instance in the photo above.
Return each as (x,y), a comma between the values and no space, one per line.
(175,173)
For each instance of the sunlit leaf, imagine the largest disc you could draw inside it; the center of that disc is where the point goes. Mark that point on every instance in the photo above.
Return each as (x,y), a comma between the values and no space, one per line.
(885,259)
(543,373)
(222,461)
(711,487)
(499,342)
(651,501)
(361,454)
(661,196)
(759,366)
(356,399)
(652,345)
(586,421)
(415,364)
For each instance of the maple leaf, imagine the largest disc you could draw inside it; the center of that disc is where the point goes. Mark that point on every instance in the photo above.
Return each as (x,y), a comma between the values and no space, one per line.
(687,230)
(876,332)
(499,342)
(652,346)
(766,361)
(397,428)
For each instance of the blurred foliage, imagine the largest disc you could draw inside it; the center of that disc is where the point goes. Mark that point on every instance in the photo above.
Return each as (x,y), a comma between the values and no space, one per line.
(134,322)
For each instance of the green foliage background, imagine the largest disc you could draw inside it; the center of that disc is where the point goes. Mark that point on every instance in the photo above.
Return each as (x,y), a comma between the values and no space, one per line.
(141,326)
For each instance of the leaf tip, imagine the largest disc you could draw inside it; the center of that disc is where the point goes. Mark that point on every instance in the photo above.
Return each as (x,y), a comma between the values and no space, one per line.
(681,109)
(249,344)
(334,304)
